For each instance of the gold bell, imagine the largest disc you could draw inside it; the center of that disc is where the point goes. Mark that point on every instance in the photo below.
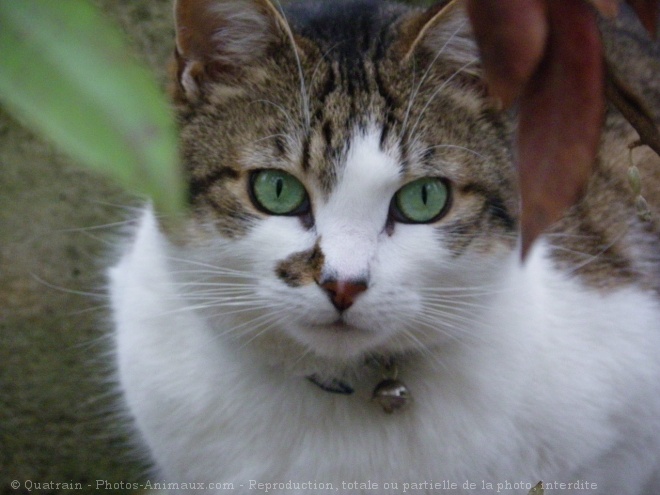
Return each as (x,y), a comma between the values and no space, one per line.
(392,395)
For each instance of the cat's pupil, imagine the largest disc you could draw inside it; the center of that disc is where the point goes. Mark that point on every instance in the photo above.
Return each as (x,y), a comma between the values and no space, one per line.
(425,194)
(279,186)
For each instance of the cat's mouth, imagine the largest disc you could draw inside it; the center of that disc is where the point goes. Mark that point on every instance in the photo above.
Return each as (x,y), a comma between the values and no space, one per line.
(337,338)
(341,325)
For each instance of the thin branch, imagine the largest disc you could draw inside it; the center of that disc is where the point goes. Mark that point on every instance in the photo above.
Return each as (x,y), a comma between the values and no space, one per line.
(633,110)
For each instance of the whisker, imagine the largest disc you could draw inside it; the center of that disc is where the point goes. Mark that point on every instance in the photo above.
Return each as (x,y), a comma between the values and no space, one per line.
(449,303)
(304,95)
(96,227)
(217,294)
(272,136)
(214,274)
(262,319)
(65,290)
(442,325)
(205,306)
(464,292)
(590,258)
(414,94)
(280,108)
(216,285)
(433,325)
(464,315)
(217,269)
(438,90)
(454,146)
(318,64)
(264,329)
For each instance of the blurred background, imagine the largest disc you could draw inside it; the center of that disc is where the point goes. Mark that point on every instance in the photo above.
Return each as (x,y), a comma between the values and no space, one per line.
(58,418)
(59,230)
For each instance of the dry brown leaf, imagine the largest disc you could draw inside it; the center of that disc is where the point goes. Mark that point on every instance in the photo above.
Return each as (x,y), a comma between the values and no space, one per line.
(548,55)
(512,38)
(561,113)
(561,96)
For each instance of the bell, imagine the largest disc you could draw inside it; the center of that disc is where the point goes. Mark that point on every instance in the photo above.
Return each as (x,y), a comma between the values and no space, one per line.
(392,395)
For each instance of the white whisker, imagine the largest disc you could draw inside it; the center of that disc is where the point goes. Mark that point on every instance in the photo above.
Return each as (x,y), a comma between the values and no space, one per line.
(415,92)
(280,108)
(254,322)
(438,90)
(318,64)
(304,95)
(272,136)
(454,146)
(215,268)
(265,327)
(65,290)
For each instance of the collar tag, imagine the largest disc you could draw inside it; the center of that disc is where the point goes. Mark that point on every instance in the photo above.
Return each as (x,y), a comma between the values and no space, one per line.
(332,385)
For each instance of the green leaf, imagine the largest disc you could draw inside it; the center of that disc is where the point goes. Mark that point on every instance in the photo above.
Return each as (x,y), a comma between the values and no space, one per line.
(68,73)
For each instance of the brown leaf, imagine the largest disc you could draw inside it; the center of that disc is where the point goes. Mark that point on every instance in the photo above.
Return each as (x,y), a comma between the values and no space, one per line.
(561,114)
(511,36)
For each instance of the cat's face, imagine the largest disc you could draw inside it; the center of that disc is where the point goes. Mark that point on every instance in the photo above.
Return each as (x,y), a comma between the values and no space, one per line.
(355,192)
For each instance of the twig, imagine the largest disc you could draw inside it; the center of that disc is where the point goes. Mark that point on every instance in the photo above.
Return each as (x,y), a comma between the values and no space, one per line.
(633,110)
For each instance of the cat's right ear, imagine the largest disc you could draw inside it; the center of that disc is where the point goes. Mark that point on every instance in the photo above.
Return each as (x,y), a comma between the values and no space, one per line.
(443,29)
(218,40)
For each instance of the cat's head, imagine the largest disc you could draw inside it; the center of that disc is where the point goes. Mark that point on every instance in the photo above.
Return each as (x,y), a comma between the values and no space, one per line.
(354,188)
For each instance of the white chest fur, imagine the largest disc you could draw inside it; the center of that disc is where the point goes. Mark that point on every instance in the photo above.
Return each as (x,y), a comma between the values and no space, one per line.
(564,385)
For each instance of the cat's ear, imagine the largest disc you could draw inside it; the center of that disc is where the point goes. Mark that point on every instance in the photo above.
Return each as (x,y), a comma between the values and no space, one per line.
(218,40)
(442,30)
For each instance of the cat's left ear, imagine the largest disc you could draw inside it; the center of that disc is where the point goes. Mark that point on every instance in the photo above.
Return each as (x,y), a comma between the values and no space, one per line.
(443,29)
(222,40)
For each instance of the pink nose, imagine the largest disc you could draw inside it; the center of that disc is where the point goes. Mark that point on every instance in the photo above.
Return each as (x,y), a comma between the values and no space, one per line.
(342,293)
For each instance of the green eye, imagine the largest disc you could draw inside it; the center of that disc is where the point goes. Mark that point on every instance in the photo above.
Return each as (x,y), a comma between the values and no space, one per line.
(421,201)
(278,193)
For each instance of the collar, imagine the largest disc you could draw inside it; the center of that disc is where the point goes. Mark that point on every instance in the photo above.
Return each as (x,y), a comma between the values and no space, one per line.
(332,385)
(390,392)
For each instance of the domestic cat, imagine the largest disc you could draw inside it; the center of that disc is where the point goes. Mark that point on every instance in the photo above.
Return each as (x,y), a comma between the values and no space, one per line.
(345,307)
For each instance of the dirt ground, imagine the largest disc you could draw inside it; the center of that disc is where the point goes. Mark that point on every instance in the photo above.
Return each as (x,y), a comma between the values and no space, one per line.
(58,420)
(59,225)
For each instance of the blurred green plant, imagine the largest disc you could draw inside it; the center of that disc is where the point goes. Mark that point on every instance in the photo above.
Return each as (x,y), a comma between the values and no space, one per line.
(70,75)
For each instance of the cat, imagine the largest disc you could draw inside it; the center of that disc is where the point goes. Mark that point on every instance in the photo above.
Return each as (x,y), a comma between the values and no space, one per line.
(344,307)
